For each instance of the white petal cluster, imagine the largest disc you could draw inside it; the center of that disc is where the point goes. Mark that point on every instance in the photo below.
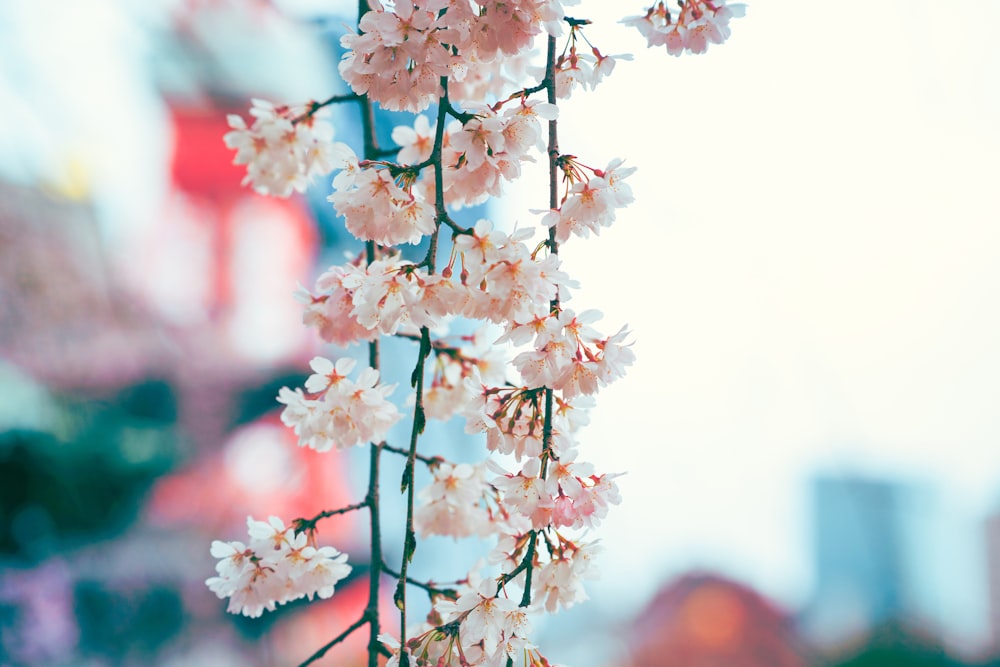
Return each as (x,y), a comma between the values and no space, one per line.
(501,282)
(582,69)
(592,203)
(344,413)
(506,283)
(277,566)
(560,581)
(448,391)
(479,155)
(284,148)
(571,356)
(453,504)
(400,54)
(487,151)
(376,208)
(512,418)
(692,27)
(331,309)
(570,496)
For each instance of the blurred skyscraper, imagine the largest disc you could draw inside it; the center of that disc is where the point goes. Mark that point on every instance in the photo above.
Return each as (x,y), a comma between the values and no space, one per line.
(863,569)
(993,568)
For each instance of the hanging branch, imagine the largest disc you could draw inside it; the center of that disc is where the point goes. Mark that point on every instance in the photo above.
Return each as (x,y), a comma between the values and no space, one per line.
(540,513)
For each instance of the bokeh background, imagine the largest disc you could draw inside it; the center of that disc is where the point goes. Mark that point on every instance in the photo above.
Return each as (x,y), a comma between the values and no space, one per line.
(810,271)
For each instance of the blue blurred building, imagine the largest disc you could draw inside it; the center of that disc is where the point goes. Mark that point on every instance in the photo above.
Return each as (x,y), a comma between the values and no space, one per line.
(864,569)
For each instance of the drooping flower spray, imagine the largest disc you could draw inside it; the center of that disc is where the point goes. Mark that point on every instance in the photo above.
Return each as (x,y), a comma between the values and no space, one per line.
(460,65)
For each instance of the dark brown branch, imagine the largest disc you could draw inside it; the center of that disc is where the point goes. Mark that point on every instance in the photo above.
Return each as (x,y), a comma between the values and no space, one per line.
(456,229)
(419,421)
(302,525)
(429,460)
(375,647)
(527,563)
(428,586)
(316,106)
(447,108)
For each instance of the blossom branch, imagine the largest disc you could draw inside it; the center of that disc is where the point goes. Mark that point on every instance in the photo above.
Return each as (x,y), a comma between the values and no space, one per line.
(429,460)
(375,647)
(387,202)
(428,586)
(309,525)
(313,107)
(447,108)
(419,421)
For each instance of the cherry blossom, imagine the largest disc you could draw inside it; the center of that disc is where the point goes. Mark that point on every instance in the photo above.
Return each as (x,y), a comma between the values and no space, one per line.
(452,504)
(284,148)
(345,413)
(691,27)
(376,208)
(560,581)
(528,376)
(278,566)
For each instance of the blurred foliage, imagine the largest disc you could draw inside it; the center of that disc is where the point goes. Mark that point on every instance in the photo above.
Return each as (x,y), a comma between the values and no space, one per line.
(895,644)
(84,478)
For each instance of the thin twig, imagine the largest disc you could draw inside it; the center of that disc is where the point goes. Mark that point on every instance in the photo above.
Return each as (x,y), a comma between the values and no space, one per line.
(316,106)
(310,524)
(429,460)
(428,586)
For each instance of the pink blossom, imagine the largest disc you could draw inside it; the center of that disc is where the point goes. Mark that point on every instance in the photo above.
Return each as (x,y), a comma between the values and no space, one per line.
(284,149)
(277,567)
(345,413)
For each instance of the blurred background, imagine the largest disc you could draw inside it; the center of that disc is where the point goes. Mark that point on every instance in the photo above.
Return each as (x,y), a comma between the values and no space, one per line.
(810,271)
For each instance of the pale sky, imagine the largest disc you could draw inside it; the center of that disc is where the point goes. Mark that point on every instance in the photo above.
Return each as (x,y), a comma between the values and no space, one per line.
(811,272)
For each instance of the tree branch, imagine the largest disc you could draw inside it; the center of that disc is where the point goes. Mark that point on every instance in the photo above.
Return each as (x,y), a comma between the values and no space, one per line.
(429,460)
(302,525)
(428,586)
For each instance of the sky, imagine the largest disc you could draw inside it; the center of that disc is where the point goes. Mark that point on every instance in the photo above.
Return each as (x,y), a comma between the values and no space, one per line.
(811,274)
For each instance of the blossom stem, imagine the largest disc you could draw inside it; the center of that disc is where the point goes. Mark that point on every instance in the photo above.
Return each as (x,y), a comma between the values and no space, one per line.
(371,614)
(553,150)
(447,108)
(316,106)
(429,460)
(419,421)
(428,586)
(302,525)
(371,610)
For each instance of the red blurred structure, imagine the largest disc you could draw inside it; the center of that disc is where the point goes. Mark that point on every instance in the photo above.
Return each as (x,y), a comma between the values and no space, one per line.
(704,620)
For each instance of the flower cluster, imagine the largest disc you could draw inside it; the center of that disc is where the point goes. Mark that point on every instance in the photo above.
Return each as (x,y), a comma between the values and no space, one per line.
(400,54)
(571,356)
(479,628)
(380,206)
(528,376)
(692,27)
(284,148)
(278,566)
(343,413)
(502,281)
(454,365)
(584,67)
(590,201)
(453,505)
